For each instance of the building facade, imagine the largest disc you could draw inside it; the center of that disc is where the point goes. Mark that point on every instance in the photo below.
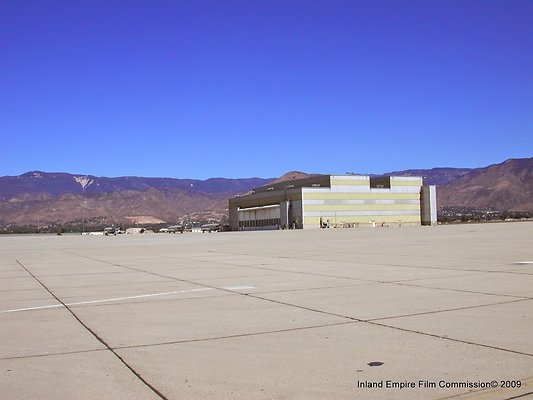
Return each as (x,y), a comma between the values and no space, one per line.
(335,200)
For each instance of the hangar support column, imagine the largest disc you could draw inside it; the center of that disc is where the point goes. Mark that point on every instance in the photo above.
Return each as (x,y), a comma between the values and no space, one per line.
(428,205)
(284,213)
(234,218)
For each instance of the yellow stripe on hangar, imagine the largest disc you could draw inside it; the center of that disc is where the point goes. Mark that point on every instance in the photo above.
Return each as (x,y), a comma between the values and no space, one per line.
(406,183)
(350,182)
(360,196)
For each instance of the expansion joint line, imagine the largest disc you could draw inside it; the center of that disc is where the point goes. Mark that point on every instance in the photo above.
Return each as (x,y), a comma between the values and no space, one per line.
(520,396)
(449,338)
(150,386)
(353,319)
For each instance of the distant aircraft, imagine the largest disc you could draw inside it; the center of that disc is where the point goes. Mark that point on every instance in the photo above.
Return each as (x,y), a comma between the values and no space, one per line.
(175,229)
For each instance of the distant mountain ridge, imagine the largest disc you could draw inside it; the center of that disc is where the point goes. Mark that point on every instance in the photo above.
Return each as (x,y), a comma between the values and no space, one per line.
(43,197)
(436,176)
(59,197)
(505,186)
(60,183)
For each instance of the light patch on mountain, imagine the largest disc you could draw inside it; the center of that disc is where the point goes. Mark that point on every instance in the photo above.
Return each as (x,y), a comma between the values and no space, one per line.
(84,181)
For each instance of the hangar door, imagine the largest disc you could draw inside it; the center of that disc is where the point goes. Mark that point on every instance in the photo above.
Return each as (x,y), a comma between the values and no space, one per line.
(258,218)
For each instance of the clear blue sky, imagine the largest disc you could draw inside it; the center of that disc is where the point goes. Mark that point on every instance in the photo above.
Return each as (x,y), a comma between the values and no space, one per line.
(199,89)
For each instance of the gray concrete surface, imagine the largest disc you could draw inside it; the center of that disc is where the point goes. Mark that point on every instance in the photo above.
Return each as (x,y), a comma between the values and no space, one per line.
(269,315)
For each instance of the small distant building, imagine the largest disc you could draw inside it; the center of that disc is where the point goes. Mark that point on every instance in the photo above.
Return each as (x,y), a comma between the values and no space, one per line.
(335,200)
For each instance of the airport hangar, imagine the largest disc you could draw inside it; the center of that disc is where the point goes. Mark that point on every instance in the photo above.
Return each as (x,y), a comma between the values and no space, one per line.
(341,200)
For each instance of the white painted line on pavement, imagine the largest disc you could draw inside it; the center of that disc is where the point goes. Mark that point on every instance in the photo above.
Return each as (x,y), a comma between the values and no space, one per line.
(125,298)
(108,300)
(238,287)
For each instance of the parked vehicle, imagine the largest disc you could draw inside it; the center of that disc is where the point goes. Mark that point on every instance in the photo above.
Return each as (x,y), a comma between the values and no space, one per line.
(209,228)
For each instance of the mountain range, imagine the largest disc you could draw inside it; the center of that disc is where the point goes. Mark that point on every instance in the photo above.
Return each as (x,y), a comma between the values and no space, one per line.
(38,197)
(507,186)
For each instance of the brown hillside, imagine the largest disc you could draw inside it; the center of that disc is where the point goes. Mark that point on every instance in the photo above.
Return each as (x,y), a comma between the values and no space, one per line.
(505,186)
(122,206)
(291,175)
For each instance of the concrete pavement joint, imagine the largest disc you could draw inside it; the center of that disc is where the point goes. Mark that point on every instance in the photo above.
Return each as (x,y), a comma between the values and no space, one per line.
(303,307)
(407,330)
(53,354)
(432,278)
(294,272)
(280,270)
(311,288)
(450,339)
(443,311)
(301,328)
(470,272)
(397,282)
(239,293)
(18,290)
(519,396)
(461,290)
(157,392)
(84,274)
(329,313)
(380,264)
(165,276)
(230,347)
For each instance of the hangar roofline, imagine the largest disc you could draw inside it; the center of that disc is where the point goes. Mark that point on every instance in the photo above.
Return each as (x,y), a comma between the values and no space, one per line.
(321,180)
(324,180)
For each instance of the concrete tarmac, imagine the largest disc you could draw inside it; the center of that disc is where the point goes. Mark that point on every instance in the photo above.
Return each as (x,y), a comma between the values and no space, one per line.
(363,313)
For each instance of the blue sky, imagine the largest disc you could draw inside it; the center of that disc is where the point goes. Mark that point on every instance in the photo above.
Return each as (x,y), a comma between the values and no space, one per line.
(199,89)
